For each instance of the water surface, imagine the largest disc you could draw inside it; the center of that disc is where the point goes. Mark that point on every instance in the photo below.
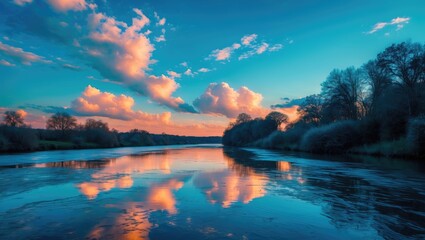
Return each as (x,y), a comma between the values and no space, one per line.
(207,192)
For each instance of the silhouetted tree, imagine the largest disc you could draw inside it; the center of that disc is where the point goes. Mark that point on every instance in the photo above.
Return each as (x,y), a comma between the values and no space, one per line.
(277,117)
(13,119)
(378,79)
(343,92)
(96,124)
(406,64)
(242,118)
(61,121)
(311,110)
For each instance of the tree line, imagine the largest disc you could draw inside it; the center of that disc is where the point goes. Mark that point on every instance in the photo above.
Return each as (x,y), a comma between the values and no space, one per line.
(378,108)
(64,132)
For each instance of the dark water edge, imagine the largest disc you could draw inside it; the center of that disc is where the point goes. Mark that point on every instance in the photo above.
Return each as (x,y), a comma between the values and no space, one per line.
(209,192)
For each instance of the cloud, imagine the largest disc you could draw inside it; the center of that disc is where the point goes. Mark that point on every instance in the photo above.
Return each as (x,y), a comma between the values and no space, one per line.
(71,67)
(188,72)
(160,21)
(204,70)
(19,55)
(184,64)
(247,48)
(173,74)
(262,48)
(94,102)
(248,39)
(221,54)
(22,2)
(275,47)
(66,5)
(286,102)
(398,21)
(221,99)
(161,38)
(34,120)
(122,54)
(6,63)
(119,51)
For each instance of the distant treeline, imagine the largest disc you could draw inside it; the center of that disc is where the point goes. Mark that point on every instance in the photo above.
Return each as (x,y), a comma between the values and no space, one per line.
(377,109)
(63,132)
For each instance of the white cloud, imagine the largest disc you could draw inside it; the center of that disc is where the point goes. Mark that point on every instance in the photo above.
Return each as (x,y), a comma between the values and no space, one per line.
(204,70)
(173,74)
(22,2)
(161,38)
(398,21)
(188,72)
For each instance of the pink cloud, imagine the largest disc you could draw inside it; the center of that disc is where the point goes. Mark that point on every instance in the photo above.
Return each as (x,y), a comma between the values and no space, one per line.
(248,39)
(122,54)
(66,5)
(262,48)
(221,99)
(174,74)
(19,55)
(6,63)
(94,102)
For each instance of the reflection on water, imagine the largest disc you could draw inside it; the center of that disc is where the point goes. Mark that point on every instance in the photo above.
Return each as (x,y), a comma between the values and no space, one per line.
(214,193)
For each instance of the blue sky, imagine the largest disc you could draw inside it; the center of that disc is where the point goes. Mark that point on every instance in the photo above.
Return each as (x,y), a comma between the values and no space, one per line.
(292,49)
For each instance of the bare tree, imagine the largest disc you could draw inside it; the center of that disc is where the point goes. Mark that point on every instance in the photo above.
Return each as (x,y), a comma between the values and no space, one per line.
(13,119)
(311,109)
(344,93)
(92,124)
(406,64)
(61,121)
(378,79)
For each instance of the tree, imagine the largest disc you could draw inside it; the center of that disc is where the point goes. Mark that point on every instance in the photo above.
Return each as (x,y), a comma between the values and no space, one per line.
(344,94)
(406,64)
(378,79)
(61,121)
(311,109)
(277,117)
(13,119)
(92,124)
(242,118)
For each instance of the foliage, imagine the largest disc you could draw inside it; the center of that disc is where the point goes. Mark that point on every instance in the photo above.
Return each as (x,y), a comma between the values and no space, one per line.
(416,136)
(13,119)
(333,138)
(61,121)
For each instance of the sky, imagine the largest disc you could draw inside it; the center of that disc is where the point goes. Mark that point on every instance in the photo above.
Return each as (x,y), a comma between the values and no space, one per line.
(185,67)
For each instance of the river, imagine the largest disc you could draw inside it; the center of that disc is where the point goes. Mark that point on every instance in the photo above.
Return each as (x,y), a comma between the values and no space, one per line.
(208,192)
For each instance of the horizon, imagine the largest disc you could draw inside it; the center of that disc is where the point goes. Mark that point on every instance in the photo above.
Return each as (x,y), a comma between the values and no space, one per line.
(185,68)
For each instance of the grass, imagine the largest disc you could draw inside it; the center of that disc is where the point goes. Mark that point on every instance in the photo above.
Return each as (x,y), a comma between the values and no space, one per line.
(48,145)
(388,149)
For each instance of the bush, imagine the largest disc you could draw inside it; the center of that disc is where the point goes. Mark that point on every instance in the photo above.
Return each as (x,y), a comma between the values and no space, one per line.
(248,132)
(333,138)
(19,139)
(4,143)
(416,136)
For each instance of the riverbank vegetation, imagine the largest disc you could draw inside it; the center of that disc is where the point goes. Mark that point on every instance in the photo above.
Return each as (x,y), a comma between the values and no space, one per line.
(64,132)
(377,109)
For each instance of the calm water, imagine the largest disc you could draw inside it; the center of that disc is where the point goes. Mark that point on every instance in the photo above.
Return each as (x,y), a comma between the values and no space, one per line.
(207,192)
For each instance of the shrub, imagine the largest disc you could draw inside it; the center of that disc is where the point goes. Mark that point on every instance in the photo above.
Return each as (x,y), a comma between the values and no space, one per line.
(333,138)
(416,136)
